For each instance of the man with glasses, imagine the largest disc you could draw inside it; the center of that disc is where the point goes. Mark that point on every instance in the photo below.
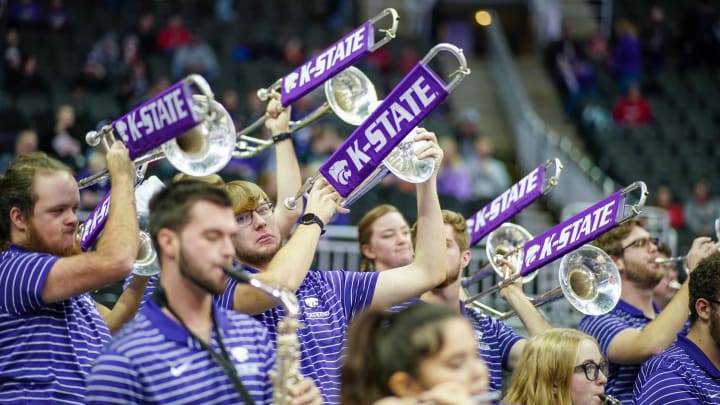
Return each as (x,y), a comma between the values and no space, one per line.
(636,329)
(689,370)
(328,299)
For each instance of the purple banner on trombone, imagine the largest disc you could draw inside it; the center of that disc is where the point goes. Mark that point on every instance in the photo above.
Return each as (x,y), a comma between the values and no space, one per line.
(158,120)
(507,204)
(572,233)
(334,59)
(95,222)
(401,111)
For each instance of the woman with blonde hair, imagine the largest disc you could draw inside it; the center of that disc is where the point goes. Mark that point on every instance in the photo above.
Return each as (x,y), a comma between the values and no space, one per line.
(560,366)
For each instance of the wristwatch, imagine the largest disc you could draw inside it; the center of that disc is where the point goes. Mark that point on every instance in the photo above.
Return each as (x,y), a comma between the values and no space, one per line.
(310,218)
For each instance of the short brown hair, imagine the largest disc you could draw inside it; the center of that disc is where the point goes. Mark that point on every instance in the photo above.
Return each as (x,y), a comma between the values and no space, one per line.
(17,187)
(704,282)
(611,241)
(244,195)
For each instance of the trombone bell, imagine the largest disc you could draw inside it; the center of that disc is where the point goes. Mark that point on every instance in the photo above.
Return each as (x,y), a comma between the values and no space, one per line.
(147,263)
(590,280)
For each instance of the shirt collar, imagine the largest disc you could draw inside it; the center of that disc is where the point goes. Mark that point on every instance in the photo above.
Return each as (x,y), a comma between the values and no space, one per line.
(698,356)
(176,332)
(636,312)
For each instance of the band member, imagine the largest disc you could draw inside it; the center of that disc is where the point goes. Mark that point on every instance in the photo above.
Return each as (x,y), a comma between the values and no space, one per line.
(421,353)
(182,348)
(384,238)
(635,329)
(497,343)
(329,299)
(689,370)
(50,326)
(560,366)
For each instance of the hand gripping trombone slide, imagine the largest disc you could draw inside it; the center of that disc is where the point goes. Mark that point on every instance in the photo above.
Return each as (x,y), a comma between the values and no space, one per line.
(287,362)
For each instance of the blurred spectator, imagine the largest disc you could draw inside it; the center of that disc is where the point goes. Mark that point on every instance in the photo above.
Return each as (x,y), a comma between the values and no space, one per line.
(106,52)
(467,132)
(407,60)
(26,141)
(57,18)
(32,82)
(65,146)
(293,52)
(324,140)
(132,89)
(93,77)
(665,200)
(454,176)
(90,196)
(625,62)
(658,39)
(633,110)
(231,102)
(12,59)
(597,48)
(489,175)
(196,56)
(702,210)
(173,35)
(147,34)
(26,14)
(569,67)
(225,13)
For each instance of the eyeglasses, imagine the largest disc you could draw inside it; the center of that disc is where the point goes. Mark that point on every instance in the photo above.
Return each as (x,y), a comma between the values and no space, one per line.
(592,370)
(712,300)
(642,243)
(263,210)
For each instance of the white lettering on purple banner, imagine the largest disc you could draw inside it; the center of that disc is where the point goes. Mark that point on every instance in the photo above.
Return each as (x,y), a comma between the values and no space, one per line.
(403,109)
(507,204)
(95,222)
(326,64)
(570,234)
(156,121)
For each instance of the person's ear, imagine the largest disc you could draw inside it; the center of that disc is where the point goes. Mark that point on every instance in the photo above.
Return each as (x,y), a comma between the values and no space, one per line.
(402,385)
(18,219)
(704,309)
(168,243)
(465,257)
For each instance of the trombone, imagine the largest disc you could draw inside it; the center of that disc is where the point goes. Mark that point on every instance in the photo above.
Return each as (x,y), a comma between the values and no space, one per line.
(565,238)
(589,280)
(193,131)
(390,150)
(348,96)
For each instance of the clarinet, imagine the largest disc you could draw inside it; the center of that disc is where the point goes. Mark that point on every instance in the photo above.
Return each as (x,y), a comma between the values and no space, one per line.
(287,363)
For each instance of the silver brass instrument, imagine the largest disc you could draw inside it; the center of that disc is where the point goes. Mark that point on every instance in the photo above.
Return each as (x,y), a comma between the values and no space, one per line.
(200,151)
(609,400)
(146,263)
(287,363)
(589,280)
(401,160)
(349,95)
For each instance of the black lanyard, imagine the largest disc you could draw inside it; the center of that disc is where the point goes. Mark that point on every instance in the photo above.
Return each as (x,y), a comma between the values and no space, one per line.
(222,359)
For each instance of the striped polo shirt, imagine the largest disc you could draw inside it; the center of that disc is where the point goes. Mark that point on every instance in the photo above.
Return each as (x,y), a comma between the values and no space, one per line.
(328,300)
(682,374)
(46,350)
(494,340)
(604,328)
(155,360)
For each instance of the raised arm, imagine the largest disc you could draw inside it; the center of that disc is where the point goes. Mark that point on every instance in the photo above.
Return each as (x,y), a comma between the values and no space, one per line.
(117,248)
(291,263)
(428,268)
(126,306)
(287,168)
(633,346)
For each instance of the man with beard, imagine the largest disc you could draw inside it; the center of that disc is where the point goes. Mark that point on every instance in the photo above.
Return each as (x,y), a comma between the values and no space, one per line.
(689,370)
(497,343)
(636,329)
(51,329)
(182,348)
(328,299)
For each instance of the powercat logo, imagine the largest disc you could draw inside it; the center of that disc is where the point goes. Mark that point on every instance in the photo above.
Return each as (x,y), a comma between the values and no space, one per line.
(336,54)
(565,236)
(340,172)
